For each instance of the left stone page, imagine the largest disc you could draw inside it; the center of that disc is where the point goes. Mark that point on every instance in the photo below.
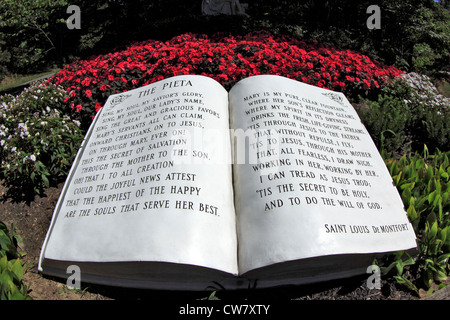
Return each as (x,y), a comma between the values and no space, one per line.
(152,182)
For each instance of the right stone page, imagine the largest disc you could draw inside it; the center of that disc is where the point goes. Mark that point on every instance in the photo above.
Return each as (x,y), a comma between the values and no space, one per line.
(308,179)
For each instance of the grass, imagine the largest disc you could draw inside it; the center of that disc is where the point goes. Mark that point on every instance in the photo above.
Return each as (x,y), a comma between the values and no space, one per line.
(15,80)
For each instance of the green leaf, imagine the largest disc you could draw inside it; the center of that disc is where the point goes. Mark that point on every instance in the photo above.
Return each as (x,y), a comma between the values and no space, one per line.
(443,234)
(17,270)
(443,259)
(406,195)
(409,261)
(439,275)
(407,283)
(431,197)
(6,280)
(433,231)
(45,180)
(409,186)
(443,173)
(420,164)
(412,213)
(397,178)
(7,245)
(428,278)
(425,152)
(429,174)
(16,295)
(3,263)
(212,296)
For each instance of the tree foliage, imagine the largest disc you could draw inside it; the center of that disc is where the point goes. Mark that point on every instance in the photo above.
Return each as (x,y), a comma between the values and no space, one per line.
(30,28)
(414,34)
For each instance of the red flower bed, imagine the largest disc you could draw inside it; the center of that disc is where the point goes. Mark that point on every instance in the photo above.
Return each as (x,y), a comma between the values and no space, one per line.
(226,59)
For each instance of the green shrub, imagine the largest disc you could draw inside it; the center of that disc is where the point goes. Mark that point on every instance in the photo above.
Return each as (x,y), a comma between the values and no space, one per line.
(424,185)
(5,56)
(34,33)
(11,267)
(423,57)
(386,120)
(37,142)
(409,113)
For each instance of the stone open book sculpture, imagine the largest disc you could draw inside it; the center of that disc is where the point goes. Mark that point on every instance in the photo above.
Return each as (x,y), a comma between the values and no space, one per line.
(183,185)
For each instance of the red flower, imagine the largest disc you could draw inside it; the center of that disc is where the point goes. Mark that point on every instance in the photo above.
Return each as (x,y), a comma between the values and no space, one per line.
(348,78)
(366,84)
(226,59)
(86,82)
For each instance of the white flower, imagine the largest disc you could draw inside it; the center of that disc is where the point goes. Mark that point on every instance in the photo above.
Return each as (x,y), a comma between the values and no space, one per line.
(33,157)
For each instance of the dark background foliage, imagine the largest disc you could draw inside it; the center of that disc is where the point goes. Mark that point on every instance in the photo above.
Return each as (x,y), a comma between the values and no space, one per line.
(414,34)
